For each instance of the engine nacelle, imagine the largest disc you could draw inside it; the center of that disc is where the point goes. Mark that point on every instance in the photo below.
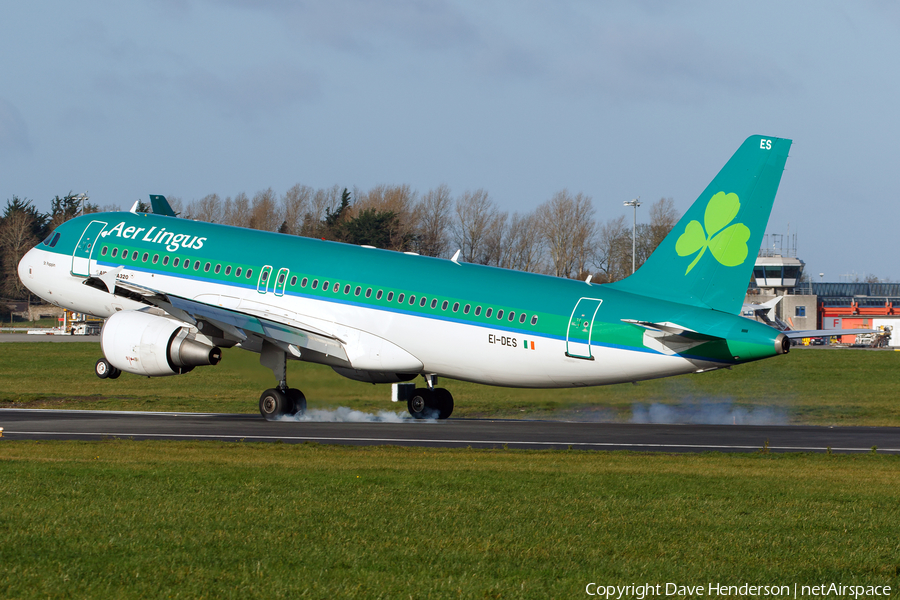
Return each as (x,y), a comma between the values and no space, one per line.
(374,376)
(146,344)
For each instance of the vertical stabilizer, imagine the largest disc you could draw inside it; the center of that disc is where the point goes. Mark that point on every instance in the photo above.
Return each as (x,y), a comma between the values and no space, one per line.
(160,206)
(707,259)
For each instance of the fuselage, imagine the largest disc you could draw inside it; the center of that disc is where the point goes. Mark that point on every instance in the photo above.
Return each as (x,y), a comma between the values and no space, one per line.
(464,321)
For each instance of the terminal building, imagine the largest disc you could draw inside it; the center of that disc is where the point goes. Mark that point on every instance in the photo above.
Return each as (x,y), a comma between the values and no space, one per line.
(810,305)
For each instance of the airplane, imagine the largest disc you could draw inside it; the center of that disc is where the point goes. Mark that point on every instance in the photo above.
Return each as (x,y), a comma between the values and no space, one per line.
(174,292)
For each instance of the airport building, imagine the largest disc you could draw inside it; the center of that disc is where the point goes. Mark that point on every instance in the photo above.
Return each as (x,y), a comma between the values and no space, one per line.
(809,305)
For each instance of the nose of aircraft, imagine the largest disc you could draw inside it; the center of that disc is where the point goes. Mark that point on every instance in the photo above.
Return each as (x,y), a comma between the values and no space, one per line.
(27,270)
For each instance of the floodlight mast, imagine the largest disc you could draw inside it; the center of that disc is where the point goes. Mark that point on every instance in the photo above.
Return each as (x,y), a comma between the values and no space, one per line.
(633,203)
(83,196)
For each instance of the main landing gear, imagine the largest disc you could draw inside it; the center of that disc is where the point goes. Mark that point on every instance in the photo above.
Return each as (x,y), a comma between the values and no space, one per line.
(104,370)
(430,402)
(279,401)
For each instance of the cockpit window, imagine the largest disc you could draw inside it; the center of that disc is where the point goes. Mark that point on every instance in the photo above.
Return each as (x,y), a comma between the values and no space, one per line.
(51,240)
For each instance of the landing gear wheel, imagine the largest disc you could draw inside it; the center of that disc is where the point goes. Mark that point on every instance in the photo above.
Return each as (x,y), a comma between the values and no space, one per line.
(297,400)
(114,373)
(421,403)
(443,401)
(103,369)
(273,404)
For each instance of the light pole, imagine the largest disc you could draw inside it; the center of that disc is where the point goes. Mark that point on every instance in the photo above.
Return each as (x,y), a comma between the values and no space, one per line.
(634,203)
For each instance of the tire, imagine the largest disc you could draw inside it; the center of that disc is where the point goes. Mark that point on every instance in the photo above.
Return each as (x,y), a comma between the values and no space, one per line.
(103,369)
(297,400)
(421,403)
(443,403)
(273,404)
(114,372)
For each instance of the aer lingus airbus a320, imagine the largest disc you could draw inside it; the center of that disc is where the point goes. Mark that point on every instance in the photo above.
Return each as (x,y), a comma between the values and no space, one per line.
(174,291)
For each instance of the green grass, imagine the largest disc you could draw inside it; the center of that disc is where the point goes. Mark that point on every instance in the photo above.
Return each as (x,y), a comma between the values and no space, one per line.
(825,387)
(121,519)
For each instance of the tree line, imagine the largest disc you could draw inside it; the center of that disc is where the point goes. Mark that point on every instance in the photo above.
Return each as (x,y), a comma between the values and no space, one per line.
(561,237)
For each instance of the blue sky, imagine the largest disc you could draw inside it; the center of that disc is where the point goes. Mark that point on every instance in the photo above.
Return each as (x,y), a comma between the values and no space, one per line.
(615,100)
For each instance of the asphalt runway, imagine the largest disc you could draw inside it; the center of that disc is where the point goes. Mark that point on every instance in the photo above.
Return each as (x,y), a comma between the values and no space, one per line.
(40,424)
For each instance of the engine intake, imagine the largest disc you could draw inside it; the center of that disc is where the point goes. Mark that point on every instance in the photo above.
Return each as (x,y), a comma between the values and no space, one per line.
(147,344)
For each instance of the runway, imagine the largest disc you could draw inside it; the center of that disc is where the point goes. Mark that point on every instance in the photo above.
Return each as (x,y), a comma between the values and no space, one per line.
(40,424)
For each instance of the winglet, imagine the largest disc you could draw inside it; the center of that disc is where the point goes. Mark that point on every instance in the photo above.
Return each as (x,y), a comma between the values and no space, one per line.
(161,206)
(455,258)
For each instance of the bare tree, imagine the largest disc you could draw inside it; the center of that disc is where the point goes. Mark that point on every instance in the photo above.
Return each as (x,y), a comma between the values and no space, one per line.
(569,231)
(17,236)
(264,212)
(524,244)
(294,205)
(612,253)
(323,199)
(208,208)
(475,214)
(237,212)
(431,216)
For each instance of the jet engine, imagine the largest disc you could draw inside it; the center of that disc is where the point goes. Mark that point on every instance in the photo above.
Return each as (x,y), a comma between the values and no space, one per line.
(154,345)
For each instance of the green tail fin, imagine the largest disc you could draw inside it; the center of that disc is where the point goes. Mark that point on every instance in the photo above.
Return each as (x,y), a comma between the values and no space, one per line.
(161,206)
(707,259)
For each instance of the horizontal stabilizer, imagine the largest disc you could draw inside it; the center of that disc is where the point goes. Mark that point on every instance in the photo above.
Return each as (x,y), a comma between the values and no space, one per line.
(811,333)
(673,329)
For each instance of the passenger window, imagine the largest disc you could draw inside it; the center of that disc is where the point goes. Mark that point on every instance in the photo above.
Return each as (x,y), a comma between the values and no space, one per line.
(325,286)
(534,320)
(522,318)
(281,277)
(477,311)
(423,301)
(304,281)
(400,298)
(206,268)
(390,296)
(466,309)
(134,255)
(155,258)
(487,313)
(434,303)
(249,272)
(378,295)
(165,260)
(369,293)
(218,268)
(346,289)
(357,291)
(512,316)
(293,281)
(237,272)
(444,305)
(455,306)
(337,287)
(265,276)
(114,252)
(187,263)
(500,315)
(145,257)
(228,270)
(103,252)
(176,261)
(412,299)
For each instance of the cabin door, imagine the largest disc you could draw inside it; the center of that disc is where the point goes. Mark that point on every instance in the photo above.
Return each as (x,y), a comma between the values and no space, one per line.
(81,257)
(581,327)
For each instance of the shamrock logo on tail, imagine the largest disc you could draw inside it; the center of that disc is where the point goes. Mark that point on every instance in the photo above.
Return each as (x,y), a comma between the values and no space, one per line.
(728,245)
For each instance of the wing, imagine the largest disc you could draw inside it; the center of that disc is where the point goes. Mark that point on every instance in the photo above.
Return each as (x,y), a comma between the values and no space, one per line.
(247,328)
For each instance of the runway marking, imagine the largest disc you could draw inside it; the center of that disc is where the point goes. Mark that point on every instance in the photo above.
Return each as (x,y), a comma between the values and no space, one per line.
(429,441)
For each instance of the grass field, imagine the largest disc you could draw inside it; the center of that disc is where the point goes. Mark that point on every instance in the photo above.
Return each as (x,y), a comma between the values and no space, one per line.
(825,387)
(122,519)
